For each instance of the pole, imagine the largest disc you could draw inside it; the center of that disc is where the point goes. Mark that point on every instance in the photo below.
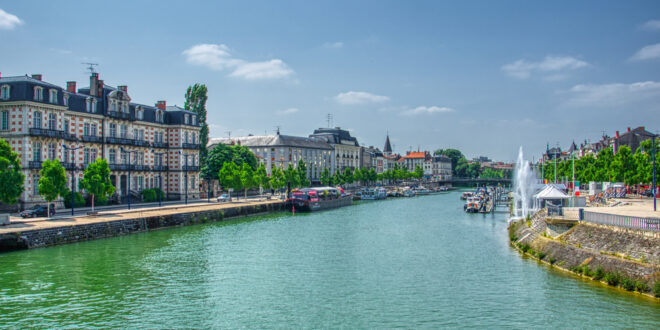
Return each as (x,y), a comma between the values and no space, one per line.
(186,178)
(73,184)
(654,187)
(160,186)
(555,167)
(573,174)
(128,190)
(208,187)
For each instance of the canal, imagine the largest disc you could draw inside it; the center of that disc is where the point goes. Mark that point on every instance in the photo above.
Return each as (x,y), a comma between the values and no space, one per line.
(414,263)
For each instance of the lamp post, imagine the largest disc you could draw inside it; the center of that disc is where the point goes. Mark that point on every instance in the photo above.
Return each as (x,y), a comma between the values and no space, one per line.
(185,174)
(160,170)
(73,174)
(654,187)
(128,183)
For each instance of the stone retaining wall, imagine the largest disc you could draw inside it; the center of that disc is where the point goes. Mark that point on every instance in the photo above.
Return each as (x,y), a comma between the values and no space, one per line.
(69,234)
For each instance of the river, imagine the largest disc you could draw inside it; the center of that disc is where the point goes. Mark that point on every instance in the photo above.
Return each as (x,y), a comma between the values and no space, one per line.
(413,263)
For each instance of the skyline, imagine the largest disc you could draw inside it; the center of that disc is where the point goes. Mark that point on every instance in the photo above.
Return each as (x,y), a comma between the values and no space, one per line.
(442,76)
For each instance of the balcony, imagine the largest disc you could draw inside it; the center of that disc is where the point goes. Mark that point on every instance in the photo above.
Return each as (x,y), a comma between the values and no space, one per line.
(141,143)
(160,168)
(161,145)
(35,164)
(188,168)
(120,115)
(119,167)
(70,137)
(190,146)
(92,138)
(141,168)
(69,166)
(47,133)
(116,140)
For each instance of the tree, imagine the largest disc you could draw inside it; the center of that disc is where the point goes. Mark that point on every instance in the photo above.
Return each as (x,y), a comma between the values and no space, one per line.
(291,176)
(230,177)
(326,178)
(454,155)
(623,166)
(358,176)
(247,178)
(261,177)
(303,181)
(461,169)
(96,180)
(278,180)
(11,178)
(52,181)
(196,102)
(474,170)
(419,172)
(348,175)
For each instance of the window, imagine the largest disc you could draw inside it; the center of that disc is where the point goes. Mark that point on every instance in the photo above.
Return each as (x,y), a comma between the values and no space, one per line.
(66,100)
(192,182)
(135,133)
(123,131)
(52,121)
(194,120)
(86,129)
(36,120)
(4,121)
(123,156)
(38,93)
(193,138)
(51,151)
(35,185)
(139,114)
(159,116)
(36,151)
(113,105)
(113,156)
(124,107)
(140,158)
(113,130)
(88,105)
(52,96)
(93,130)
(4,92)
(94,105)
(185,119)
(93,155)
(141,135)
(86,155)
(185,137)
(66,126)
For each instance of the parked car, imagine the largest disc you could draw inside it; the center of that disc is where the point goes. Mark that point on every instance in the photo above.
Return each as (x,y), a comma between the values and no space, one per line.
(223,198)
(38,211)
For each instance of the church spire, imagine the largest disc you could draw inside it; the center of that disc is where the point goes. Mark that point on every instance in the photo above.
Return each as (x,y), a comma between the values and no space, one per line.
(388,147)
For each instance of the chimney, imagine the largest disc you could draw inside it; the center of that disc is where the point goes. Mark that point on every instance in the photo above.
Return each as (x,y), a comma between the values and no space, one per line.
(37,76)
(93,83)
(123,88)
(71,86)
(161,105)
(643,128)
(99,93)
(617,134)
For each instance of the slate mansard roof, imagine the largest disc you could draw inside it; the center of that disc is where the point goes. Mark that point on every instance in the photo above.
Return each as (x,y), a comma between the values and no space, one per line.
(335,136)
(22,89)
(272,141)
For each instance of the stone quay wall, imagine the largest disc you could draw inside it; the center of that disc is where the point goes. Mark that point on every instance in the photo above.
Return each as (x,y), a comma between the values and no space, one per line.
(111,228)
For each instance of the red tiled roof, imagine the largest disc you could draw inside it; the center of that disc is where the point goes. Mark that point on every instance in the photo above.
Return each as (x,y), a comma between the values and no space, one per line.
(416,155)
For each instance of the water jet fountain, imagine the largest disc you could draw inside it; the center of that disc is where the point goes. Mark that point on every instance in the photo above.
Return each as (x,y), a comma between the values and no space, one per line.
(524,182)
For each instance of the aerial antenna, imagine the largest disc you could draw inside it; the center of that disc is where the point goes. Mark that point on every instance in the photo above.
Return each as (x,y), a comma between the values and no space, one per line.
(228,134)
(90,66)
(277,129)
(329,120)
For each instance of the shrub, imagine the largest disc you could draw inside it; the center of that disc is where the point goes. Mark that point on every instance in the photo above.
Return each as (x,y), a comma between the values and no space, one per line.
(641,286)
(541,254)
(612,278)
(599,273)
(552,260)
(586,271)
(78,199)
(525,247)
(628,284)
(656,289)
(148,195)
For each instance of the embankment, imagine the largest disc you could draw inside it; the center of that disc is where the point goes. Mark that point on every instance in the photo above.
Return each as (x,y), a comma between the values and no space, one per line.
(619,257)
(107,225)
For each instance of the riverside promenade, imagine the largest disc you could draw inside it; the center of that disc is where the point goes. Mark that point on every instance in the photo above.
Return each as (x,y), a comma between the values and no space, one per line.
(31,233)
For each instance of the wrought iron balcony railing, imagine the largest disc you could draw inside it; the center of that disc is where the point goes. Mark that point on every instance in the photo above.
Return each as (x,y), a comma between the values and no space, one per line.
(92,138)
(190,146)
(47,132)
(120,115)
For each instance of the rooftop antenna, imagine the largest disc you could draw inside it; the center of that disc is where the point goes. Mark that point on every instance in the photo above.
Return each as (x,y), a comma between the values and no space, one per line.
(278,129)
(329,120)
(90,66)
(228,134)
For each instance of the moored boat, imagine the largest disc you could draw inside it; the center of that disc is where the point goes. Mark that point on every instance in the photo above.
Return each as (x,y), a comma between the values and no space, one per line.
(320,198)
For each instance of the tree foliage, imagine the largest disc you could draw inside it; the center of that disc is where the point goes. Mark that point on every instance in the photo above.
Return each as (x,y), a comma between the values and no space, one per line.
(196,96)
(229,176)
(52,181)
(261,177)
(222,154)
(326,177)
(11,178)
(248,178)
(303,181)
(96,180)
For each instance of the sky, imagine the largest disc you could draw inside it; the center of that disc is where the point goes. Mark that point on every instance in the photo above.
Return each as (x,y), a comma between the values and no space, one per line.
(484,77)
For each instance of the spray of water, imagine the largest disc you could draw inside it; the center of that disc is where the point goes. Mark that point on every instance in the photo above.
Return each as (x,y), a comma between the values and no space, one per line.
(523,184)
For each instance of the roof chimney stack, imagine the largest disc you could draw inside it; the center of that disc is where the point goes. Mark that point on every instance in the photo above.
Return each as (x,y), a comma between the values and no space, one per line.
(71,86)
(99,93)
(161,105)
(36,76)
(617,134)
(123,88)
(628,129)
(93,83)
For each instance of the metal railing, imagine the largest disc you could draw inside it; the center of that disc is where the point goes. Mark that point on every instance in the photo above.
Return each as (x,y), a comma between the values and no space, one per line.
(47,132)
(650,224)
(69,166)
(160,144)
(34,164)
(116,140)
(120,115)
(92,138)
(190,146)
(141,143)
(160,168)
(190,168)
(70,137)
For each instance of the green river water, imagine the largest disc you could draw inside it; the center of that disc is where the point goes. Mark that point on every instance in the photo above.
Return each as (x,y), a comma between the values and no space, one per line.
(410,263)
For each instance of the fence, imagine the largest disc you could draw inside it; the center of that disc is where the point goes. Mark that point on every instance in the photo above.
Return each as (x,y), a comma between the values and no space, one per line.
(650,224)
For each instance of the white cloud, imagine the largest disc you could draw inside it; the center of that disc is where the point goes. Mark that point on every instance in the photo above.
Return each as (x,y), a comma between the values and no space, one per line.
(523,69)
(336,44)
(647,53)
(8,21)
(218,57)
(424,110)
(355,98)
(652,25)
(288,111)
(612,95)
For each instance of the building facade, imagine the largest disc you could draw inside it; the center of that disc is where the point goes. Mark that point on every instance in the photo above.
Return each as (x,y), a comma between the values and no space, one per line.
(282,150)
(43,121)
(346,147)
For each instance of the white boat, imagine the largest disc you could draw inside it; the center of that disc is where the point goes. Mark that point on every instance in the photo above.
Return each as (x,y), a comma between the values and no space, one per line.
(473,204)
(373,193)
(409,193)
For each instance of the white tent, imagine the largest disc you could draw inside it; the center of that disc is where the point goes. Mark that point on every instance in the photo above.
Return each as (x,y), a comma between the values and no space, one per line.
(551,194)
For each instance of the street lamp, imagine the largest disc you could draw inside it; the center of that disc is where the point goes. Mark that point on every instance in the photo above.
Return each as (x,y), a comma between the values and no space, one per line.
(128,183)
(185,174)
(160,170)
(654,187)
(73,174)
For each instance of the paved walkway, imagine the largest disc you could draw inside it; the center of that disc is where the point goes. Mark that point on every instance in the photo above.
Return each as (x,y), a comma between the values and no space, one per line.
(635,207)
(123,214)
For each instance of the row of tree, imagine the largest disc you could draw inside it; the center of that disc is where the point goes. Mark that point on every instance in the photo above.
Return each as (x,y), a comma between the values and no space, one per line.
(624,166)
(462,169)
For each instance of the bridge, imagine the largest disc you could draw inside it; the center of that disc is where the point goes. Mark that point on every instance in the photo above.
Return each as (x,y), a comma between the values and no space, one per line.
(478,181)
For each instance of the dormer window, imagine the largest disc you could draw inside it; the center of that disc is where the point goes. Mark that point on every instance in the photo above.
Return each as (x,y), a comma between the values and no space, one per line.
(66,100)
(185,119)
(4,92)
(38,93)
(139,113)
(159,116)
(194,120)
(52,96)
(124,107)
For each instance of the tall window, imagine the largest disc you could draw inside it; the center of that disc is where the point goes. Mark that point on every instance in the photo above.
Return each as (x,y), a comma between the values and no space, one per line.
(113,130)
(86,129)
(185,119)
(124,107)
(140,158)
(52,121)
(123,131)
(36,120)
(93,130)
(51,151)
(4,92)
(94,105)
(66,126)
(185,137)
(113,105)
(36,151)
(113,156)
(35,185)
(193,136)
(4,121)
(52,96)
(123,157)
(88,105)
(38,93)
(135,133)
(86,156)
(141,135)
(194,120)
(66,100)
(92,156)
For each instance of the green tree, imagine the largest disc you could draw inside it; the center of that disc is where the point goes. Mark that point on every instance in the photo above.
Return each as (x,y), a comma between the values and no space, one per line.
(419,172)
(348,175)
(96,180)
(230,177)
(52,181)
(603,163)
(196,102)
(277,178)
(623,166)
(303,181)
(358,177)
(453,154)
(247,178)
(474,170)
(291,176)
(326,178)
(11,178)
(338,178)
(262,178)
(461,168)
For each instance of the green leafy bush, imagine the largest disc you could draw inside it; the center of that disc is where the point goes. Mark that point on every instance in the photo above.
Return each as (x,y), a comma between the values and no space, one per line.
(628,284)
(599,273)
(641,286)
(656,289)
(78,199)
(541,255)
(612,278)
(525,247)
(151,195)
(552,260)
(586,271)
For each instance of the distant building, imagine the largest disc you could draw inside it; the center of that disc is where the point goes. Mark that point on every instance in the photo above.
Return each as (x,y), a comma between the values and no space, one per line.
(387,150)
(632,138)
(412,159)
(346,147)
(373,158)
(282,150)
(481,159)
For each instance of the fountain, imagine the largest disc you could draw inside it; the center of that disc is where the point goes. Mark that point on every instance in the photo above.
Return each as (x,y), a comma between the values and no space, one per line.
(524,181)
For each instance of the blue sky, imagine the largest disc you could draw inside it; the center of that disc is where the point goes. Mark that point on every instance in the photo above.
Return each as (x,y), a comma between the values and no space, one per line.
(481,76)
